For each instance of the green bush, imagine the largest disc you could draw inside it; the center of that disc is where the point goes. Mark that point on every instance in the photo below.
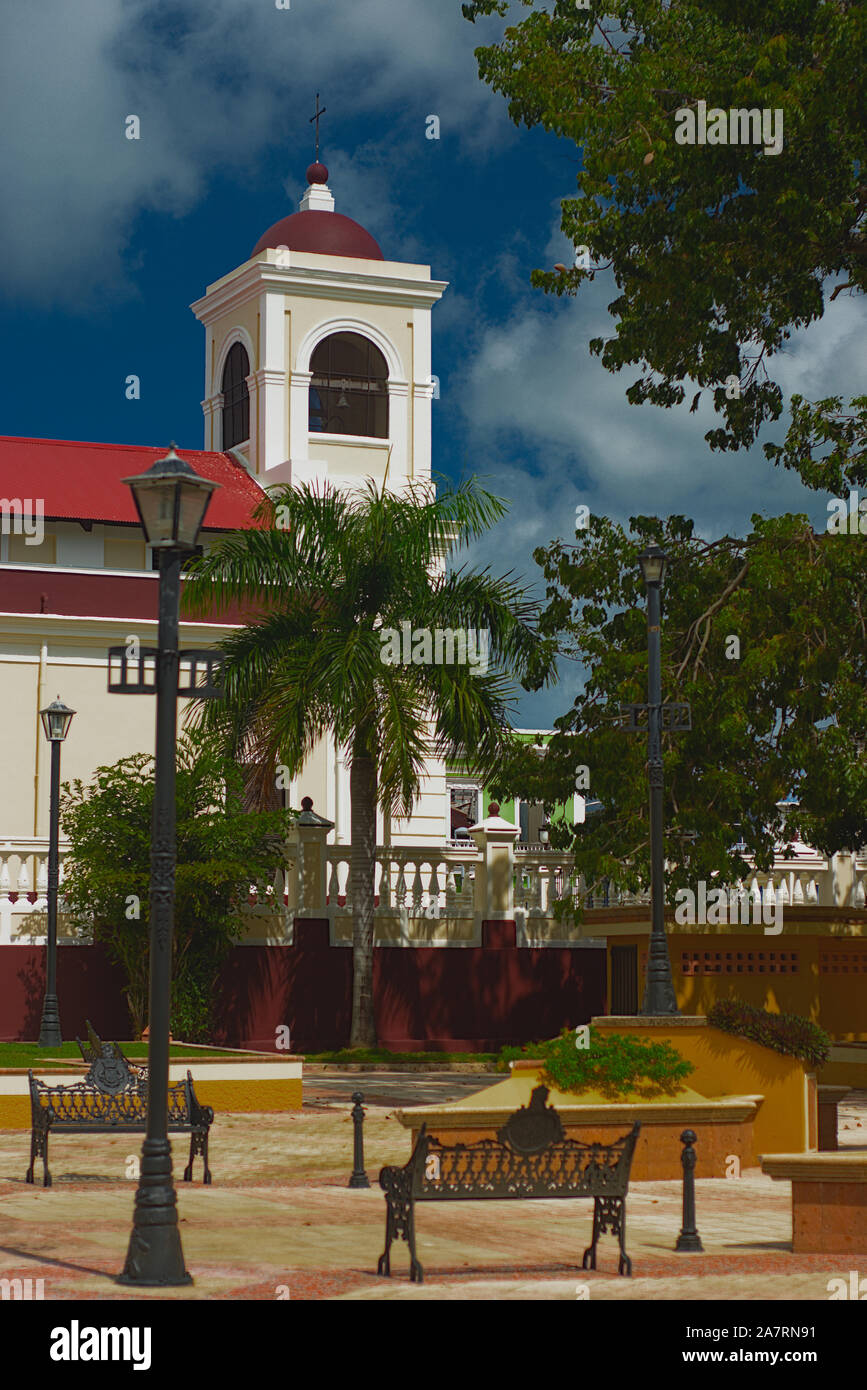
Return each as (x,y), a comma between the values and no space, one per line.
(787,1033)
(614,1064)
(221,849)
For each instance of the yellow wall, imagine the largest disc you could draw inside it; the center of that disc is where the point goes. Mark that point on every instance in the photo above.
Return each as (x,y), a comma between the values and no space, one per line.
(726,1065)
(836,1001)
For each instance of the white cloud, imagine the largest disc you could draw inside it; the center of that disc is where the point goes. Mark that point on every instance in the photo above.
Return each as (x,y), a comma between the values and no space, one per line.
(214,85)
(533,393)
(533,386)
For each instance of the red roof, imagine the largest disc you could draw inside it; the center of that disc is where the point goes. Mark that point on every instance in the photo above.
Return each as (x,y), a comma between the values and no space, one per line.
(77,481)
(327,233)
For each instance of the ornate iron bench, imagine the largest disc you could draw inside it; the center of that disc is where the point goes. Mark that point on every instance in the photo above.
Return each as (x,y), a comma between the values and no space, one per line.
(112,1098)
(530,1157)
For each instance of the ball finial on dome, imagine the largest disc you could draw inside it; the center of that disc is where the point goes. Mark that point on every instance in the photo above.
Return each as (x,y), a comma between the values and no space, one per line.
(317,173)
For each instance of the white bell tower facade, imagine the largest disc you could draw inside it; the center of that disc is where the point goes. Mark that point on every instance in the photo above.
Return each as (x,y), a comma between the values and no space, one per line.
(303,310)
(318,367)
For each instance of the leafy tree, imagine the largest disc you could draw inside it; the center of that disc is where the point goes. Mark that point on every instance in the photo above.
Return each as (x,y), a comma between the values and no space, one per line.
(220,850)
(765,638)
(329,572)
(719,251)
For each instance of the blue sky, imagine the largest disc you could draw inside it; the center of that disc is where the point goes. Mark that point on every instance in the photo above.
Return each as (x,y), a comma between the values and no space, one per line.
(105,242)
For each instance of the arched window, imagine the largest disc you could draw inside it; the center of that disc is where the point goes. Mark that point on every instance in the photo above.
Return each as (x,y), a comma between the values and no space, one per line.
(236,397)
(349,387)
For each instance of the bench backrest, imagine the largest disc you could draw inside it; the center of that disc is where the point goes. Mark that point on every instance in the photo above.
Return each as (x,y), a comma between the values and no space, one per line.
(85,1103)
(531,1157)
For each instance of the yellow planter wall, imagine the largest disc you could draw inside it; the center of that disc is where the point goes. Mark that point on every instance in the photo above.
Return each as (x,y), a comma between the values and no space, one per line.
(726,1065)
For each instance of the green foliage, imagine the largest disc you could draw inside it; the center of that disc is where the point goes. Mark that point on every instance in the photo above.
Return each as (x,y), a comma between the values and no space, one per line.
(718,251)
(325,573)
(346,566)
(614,1064)
(787,1033)
(783,718)
(220,850)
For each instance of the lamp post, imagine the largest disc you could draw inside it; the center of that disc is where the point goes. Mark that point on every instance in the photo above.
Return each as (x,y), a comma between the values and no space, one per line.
(56,719)
(659,995)
(171,500)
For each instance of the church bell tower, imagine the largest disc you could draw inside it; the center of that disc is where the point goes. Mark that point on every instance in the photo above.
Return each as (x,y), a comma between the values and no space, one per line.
(318,368)
(318,353)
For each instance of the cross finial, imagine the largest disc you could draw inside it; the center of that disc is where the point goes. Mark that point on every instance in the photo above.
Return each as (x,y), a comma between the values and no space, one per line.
(315,117)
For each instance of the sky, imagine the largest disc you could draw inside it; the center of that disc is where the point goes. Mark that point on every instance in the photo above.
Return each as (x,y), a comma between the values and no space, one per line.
(105,242)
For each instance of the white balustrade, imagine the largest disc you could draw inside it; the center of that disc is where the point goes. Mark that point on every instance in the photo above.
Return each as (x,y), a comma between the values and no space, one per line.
(24,889)
(430,881)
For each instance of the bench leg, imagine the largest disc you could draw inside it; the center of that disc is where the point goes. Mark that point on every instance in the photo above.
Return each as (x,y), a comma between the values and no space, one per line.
(39,1149)
(34,1150)
(399,1222)
(46,1176)
(198,1145)
(383,1267)
(609,1214)
(416,1273)
(625,1264)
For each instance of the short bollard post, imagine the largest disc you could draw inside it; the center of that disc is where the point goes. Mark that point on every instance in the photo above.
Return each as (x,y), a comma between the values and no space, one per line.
(359,1177)
(689,1238)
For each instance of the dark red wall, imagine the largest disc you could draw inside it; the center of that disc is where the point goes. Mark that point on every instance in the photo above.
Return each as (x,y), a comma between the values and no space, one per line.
(88,986)
(465,998)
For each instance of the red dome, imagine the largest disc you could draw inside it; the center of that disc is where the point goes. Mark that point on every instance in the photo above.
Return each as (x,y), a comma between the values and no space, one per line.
(327,233)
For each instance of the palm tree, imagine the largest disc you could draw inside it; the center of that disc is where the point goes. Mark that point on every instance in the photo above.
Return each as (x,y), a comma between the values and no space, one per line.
(324,576)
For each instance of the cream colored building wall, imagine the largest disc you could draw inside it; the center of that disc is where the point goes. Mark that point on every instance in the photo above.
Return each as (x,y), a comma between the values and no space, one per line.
(68,659)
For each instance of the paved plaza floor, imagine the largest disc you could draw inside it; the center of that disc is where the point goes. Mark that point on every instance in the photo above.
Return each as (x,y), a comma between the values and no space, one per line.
(279,1221)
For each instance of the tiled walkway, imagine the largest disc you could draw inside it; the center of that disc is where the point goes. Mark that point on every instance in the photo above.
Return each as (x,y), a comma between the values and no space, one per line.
(280,1218)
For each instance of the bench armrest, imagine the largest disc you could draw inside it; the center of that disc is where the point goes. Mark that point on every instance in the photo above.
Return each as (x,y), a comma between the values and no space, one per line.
(199,1114)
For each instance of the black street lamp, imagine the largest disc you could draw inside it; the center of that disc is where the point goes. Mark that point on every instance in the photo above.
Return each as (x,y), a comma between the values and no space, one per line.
(659,995)
(56,719)
(171,500)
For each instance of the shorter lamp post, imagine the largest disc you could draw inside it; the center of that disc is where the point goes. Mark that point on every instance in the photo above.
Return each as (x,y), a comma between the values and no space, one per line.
(56,719)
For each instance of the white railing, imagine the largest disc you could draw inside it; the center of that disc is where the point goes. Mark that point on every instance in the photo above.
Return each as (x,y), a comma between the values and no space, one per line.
(417,882)
(430,881)
(24,889)
(24,894)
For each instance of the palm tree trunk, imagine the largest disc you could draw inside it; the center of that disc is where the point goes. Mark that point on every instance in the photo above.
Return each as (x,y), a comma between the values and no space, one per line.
(362,871)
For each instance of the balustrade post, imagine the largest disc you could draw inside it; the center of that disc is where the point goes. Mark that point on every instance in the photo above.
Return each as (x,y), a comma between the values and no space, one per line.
(5,903)
(308,877)
(842,876)
(495,887)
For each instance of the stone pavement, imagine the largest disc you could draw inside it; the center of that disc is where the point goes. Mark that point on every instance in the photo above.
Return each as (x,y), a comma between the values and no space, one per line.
(399,1089)
(280,1222)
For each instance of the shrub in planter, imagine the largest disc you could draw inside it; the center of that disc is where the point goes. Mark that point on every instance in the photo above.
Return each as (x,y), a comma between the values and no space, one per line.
(788,1033)
(614,1064)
